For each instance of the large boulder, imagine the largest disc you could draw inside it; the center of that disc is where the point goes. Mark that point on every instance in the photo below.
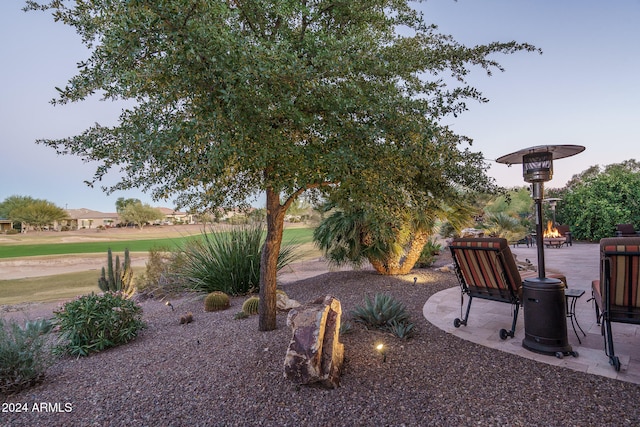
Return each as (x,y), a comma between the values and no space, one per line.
(315,353)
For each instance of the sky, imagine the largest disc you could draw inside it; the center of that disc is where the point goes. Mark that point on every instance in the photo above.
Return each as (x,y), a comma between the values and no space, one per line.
(583,90)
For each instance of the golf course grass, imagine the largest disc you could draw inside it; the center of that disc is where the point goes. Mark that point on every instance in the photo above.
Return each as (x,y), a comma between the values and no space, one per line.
(298,235)
(69,285)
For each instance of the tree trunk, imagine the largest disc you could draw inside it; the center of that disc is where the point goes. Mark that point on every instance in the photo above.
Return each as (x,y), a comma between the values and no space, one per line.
(403,263)
(413,254)
(269,262)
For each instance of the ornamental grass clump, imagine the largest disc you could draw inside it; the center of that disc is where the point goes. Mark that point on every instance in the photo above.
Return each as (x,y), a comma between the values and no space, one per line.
(25,354)
(93,323)
(228,261)
(385,313)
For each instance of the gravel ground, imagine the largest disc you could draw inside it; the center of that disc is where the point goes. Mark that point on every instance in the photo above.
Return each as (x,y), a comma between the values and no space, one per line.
(218,371)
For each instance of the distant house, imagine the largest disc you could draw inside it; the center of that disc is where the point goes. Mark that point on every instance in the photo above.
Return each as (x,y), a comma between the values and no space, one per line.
(5,225)
(175,217)
(87,218)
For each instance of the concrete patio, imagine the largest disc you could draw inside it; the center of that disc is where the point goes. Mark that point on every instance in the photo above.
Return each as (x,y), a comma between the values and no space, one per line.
(580,264)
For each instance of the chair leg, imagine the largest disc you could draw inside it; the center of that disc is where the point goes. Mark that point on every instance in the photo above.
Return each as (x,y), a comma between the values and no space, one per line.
(595,303)
(503,332)
(608,341)
(457,321)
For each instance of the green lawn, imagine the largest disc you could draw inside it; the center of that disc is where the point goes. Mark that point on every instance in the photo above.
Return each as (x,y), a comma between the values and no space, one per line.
(69,285)
(299,235)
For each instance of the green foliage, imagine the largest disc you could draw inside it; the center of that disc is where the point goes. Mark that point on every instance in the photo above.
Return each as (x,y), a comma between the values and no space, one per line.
(337,96)
(93,323)
(517,202)
(139,214)
(25,354)
(250,306)
(229,261)
(386,313)
(216,301)
(160,278)
(301,235)
(118,278)
(393,245)
(122,203)
(403,330)
(598,199)
(240,315)
(37,213)
(501,224)
(429,253)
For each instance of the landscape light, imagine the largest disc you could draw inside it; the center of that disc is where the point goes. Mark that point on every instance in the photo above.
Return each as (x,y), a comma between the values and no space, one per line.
(380,348)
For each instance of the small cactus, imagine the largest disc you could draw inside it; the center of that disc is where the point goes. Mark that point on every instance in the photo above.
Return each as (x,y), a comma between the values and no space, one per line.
(250,306)
(187,318)
(216,301)
(240,315)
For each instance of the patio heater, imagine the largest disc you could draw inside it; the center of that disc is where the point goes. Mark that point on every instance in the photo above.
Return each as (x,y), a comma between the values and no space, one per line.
(553,202)
(545,312)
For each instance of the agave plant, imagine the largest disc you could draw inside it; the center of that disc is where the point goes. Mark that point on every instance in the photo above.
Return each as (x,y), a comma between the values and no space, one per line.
(380,312)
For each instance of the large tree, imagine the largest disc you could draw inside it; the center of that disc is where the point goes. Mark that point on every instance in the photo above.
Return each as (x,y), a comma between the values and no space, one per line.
(28,211)
(597,199)
(139,214)
(236,97)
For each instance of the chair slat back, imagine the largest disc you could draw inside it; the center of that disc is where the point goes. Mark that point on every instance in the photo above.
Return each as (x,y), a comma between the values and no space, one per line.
(620,273)
(486,263)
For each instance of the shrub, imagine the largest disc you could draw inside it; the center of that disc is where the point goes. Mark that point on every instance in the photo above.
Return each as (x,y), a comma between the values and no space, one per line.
(93,323)
(386,313)
(25,354)
(228,261)
(160,278)
(429,253)
(216,301)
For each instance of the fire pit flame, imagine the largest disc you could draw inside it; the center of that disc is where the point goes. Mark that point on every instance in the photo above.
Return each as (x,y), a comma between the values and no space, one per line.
(551,232)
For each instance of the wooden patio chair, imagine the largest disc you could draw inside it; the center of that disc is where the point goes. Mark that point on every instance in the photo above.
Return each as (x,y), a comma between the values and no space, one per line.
(626,230)
(616,292)
(486,269)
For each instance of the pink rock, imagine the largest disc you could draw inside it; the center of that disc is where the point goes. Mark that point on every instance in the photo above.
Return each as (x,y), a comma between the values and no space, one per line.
(315,353)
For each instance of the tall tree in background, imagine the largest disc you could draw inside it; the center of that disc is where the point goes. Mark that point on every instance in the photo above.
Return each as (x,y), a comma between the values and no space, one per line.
(122,203)
(140,214)
(597,199)
(28,211)
(238,97)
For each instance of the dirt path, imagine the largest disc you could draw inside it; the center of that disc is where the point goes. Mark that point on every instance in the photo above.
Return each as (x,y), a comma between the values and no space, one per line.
(51,265)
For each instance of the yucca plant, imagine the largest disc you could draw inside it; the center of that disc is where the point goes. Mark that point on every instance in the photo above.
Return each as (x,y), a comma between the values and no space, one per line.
(229,261)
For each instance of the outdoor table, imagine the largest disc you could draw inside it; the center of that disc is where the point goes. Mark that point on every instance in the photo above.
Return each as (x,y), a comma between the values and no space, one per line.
(572,296)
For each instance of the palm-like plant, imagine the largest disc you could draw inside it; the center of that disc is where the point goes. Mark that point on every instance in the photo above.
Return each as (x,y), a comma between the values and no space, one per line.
(391,245)
(503,225)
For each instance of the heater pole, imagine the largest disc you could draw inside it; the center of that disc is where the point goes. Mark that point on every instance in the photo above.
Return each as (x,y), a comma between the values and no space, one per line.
(540,239)
(538,195)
